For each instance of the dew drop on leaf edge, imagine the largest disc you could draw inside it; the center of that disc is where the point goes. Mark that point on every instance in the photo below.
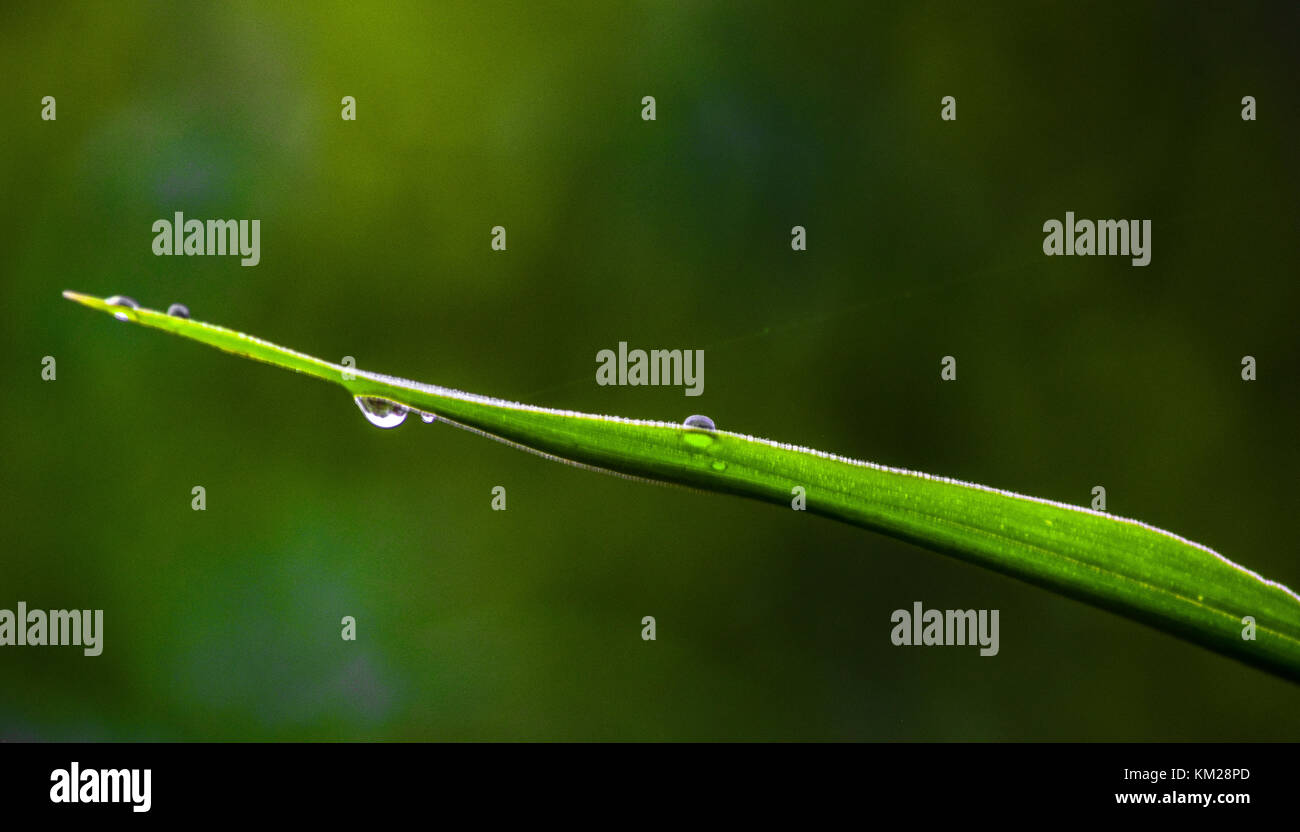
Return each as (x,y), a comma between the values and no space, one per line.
(699,421)
(381,412)
(178,310)
(122,300)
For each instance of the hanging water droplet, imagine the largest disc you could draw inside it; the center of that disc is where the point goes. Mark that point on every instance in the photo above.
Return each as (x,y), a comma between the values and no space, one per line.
(178,310)
(122,300)
(428,418)
(381,412)
(698,421)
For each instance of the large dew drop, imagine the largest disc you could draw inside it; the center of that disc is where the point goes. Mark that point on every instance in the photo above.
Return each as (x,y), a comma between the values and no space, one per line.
(122,300)
(381,412)
(698,421)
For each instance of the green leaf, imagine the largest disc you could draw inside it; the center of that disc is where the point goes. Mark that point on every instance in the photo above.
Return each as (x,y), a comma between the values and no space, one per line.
(1126,566)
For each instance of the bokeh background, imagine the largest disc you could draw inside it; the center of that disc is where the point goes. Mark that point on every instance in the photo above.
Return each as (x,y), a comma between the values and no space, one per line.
(924,239)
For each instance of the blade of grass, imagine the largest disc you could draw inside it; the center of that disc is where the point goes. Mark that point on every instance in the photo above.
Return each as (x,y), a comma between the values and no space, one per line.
(1122,565)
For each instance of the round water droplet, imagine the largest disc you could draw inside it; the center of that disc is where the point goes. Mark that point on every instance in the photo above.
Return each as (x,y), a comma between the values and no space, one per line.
(178,310)
(719,465)
(122,300)
(381,412)
(698,421)
(428,418)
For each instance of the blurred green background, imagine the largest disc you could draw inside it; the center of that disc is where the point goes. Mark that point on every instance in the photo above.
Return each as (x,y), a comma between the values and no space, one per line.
(924,240)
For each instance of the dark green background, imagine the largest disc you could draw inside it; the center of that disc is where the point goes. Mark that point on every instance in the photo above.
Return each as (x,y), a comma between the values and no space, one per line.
(924,240)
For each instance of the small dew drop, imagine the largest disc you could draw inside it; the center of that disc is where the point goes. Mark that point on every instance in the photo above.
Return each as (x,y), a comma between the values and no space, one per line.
(381,412)
(719,465)
(122,300)
(428,418)
(698,421)
(178,310)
